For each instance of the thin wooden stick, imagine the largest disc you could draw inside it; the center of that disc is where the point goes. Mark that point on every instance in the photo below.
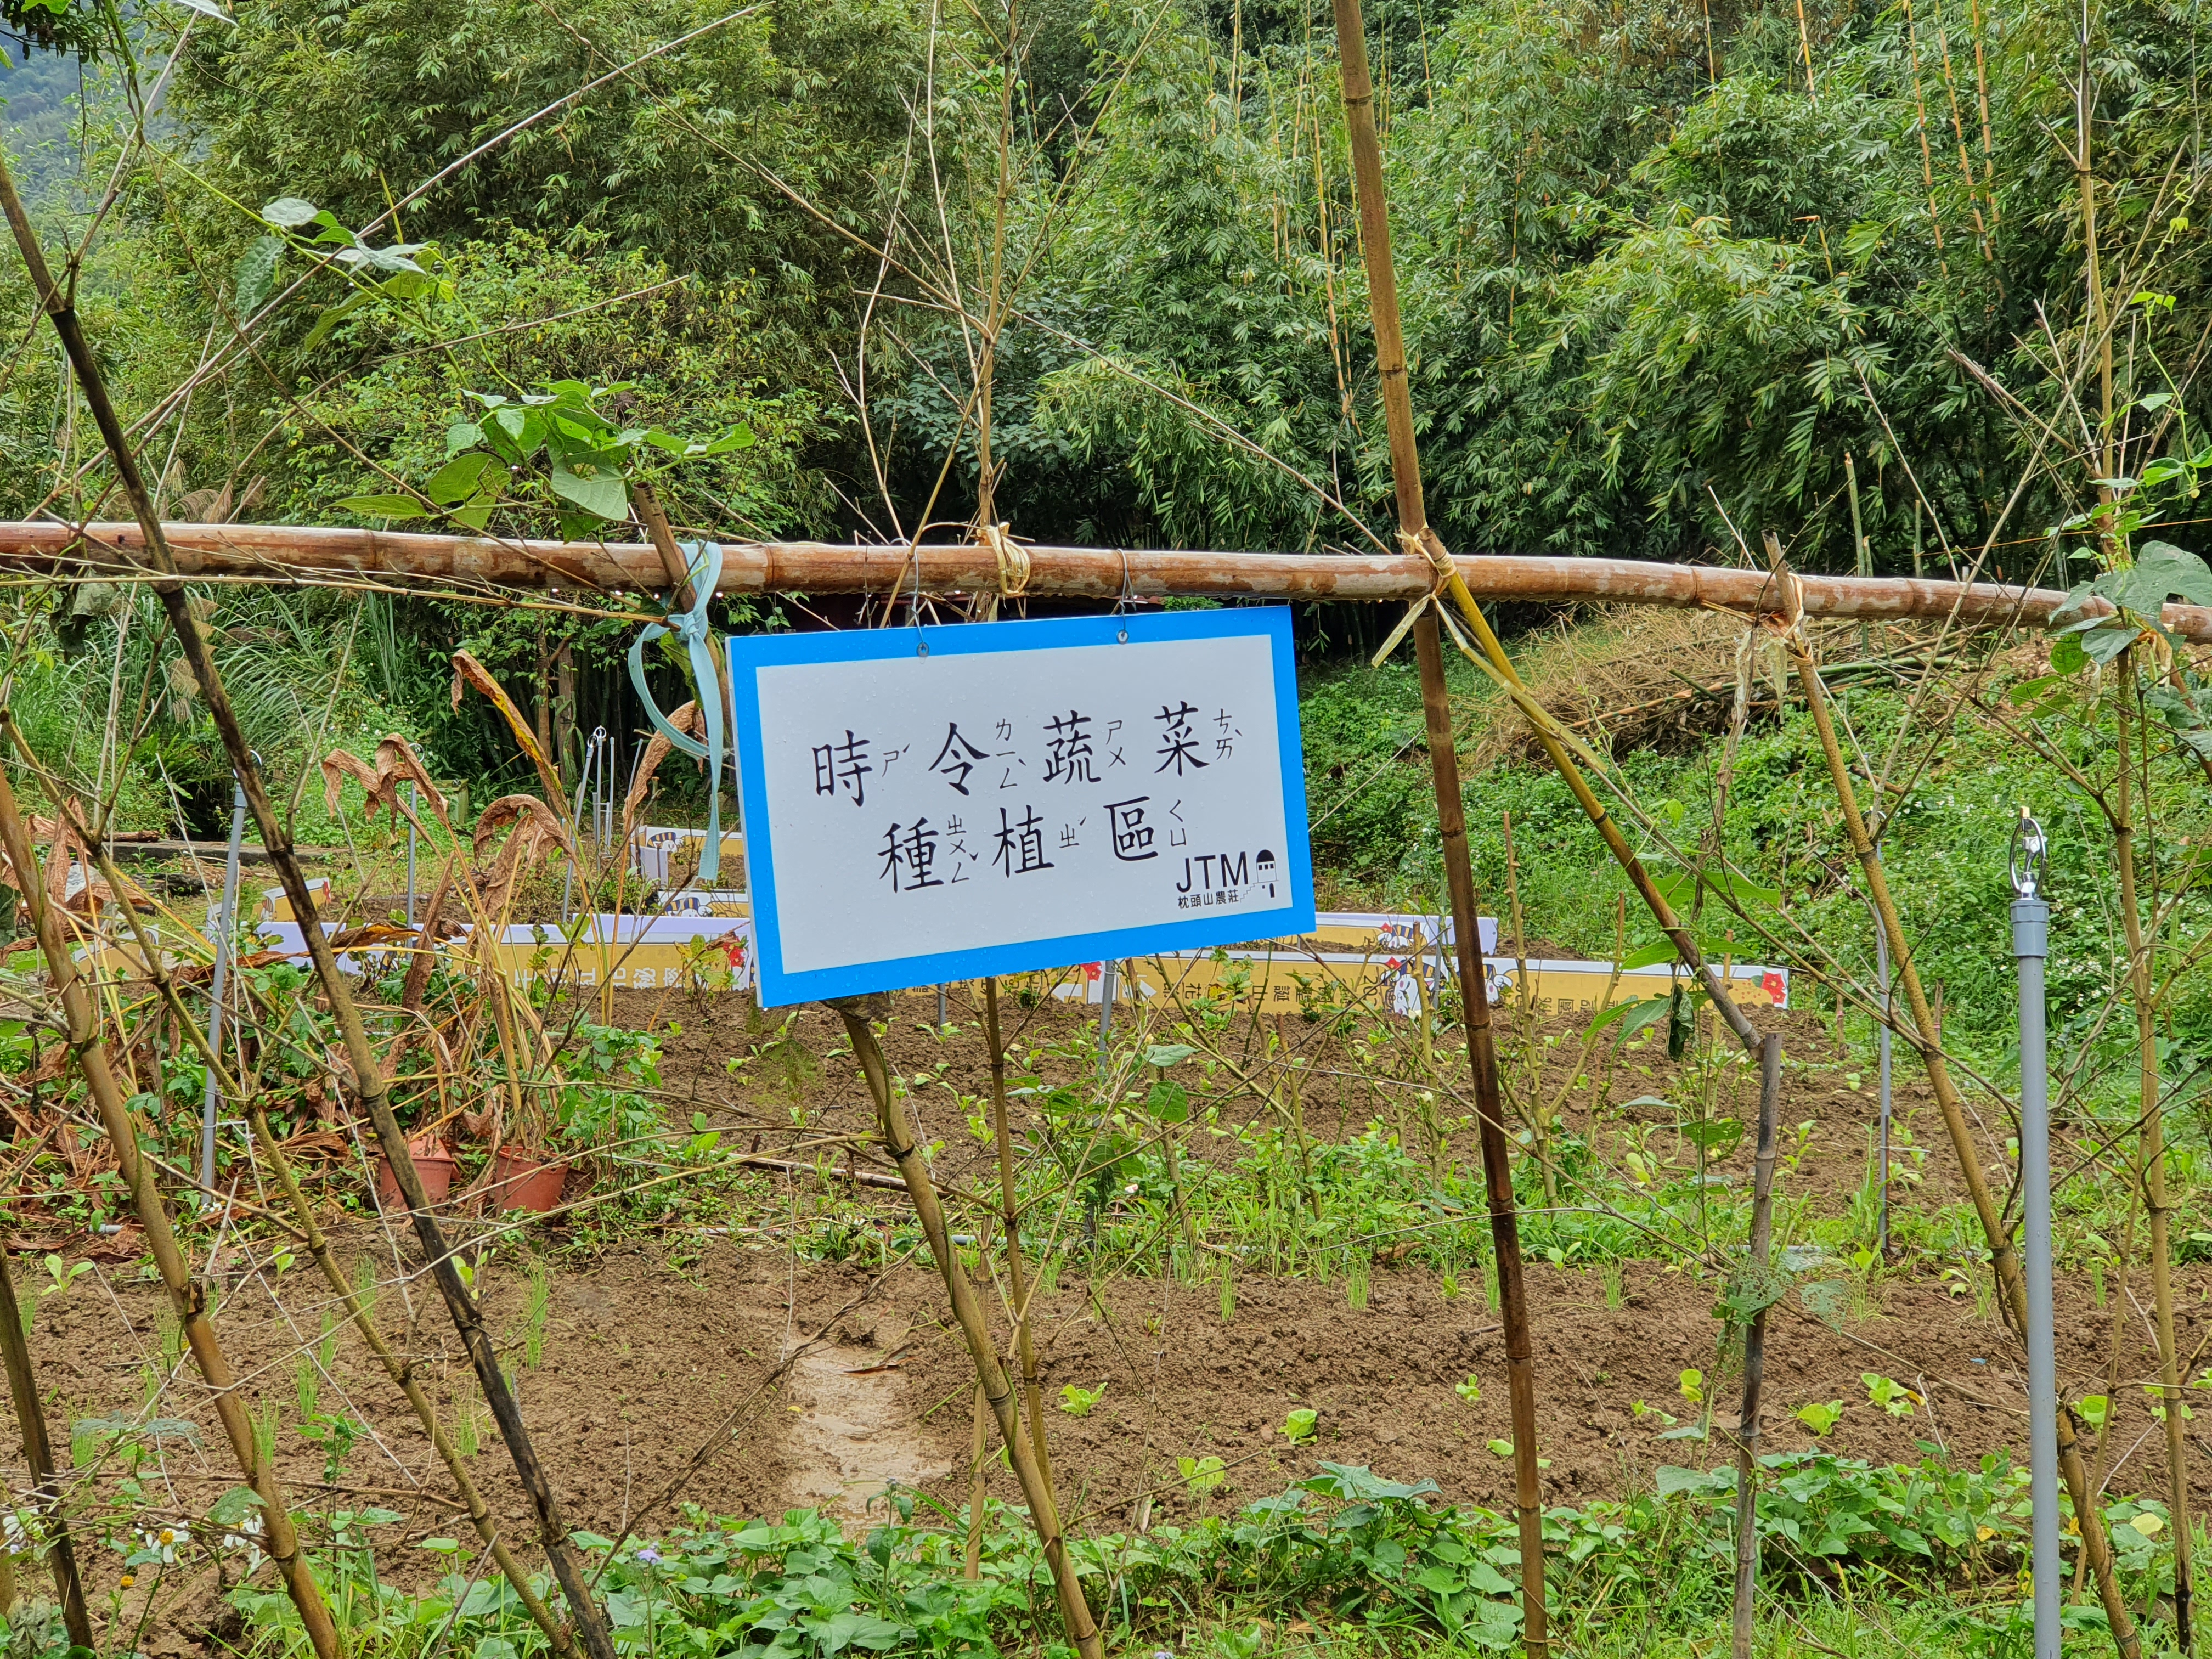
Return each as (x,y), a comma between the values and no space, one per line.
(368,1078)
(39,1454)
(2151,1144)
(972,1568)
(2012,1282)
(400,1371)
(1754,1353)
(186,1296)
(1010,1220)
(967,1311)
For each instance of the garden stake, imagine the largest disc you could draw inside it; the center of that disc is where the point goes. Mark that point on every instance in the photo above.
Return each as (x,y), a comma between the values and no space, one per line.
(1010,1220)
(971,1568)
(1754,1351)
(2004,1260)
(1490,1118)
(225,942)
(1451,816)
(998,1388)
(2151,1146)
(187,1296)
(38,1454)
(368,1078)
(399,1371)
(2031,943)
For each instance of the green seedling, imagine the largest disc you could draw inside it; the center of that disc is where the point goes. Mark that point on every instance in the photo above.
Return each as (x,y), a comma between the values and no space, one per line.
(62,1276)
(1079,1402)
(1819,1417)
(1890,1394)
(1470,1390)
(1639,1410)
(2156,1398)
(1301,1426)
(1201,1475)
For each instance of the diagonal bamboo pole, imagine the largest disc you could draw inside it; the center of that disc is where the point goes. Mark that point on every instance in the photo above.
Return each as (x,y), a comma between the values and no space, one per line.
(1451,818)
(2012,1282)
(186,1295)
(401,1371)
(276,837)
(38,1454)
(998,1388)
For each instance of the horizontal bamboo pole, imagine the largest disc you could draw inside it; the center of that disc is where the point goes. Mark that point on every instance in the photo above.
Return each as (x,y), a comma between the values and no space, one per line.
(310,552)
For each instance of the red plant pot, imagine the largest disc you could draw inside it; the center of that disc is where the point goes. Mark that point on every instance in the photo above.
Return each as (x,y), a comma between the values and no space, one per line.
(433,1163)
(523,1180)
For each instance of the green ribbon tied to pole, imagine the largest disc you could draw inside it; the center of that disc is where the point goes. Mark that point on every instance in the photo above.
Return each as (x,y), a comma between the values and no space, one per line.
(703,563)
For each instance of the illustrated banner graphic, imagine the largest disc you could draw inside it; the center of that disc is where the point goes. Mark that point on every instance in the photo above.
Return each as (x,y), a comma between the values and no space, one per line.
(924,805)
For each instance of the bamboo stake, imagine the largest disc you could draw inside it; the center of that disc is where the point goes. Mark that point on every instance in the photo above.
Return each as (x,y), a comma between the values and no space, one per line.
(186,1296)
(1927,156)
(276,837)
(1489,1119)
(401,1371)
(2005,1260)
(971,1568)
(1010,1221)
(2151,1154)
(967,1311)
(1754,1352)
(1451,818)
(38,1454)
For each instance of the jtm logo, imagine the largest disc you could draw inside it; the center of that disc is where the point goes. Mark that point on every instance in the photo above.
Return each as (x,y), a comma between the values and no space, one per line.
(1216,870)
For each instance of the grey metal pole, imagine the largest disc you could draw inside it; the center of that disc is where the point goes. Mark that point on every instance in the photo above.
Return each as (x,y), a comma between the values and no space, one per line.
(226,931)
(2031,943)
(413,805)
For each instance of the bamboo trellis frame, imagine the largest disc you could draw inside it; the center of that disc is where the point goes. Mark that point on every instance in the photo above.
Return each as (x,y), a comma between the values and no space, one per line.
(324,553)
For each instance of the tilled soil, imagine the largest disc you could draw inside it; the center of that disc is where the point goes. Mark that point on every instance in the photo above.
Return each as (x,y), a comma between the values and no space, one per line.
(656,1355)
(644,1364)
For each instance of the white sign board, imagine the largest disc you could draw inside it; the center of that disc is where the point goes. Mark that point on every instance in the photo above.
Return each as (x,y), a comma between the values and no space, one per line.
(925,805)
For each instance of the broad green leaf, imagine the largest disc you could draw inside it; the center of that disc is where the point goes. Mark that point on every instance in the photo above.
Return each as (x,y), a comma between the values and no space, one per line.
(600,493)
(456,481)
(290,212)
(255,274)
(383,506)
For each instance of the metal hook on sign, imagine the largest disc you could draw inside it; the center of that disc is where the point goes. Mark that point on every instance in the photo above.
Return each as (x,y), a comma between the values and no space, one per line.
(2030,857)
(1122,605)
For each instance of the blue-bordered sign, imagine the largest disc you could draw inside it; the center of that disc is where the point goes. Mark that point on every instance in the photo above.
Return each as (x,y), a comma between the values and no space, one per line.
(925,805)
